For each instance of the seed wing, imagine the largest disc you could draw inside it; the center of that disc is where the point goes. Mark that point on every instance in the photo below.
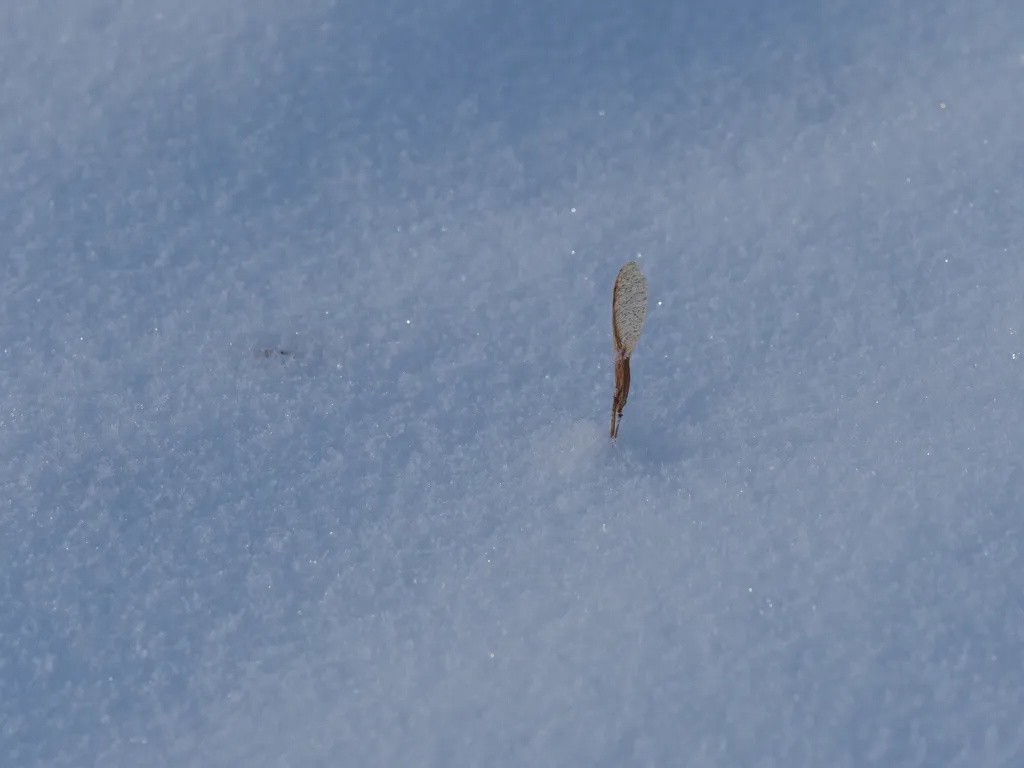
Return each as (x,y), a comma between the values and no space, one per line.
(629,307)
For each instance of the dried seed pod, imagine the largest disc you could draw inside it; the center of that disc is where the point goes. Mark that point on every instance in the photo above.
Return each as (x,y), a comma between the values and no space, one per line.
(629,308)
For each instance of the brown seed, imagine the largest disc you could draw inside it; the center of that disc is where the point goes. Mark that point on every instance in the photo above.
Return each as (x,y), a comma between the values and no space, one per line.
(629,308)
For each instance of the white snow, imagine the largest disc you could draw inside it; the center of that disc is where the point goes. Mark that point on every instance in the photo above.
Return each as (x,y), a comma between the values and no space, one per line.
(304,378)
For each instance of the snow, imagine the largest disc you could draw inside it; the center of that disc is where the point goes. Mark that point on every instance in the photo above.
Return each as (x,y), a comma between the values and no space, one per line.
(305,367)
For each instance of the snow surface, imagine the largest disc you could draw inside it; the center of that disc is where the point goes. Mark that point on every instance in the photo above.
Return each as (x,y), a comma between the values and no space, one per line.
(409,541)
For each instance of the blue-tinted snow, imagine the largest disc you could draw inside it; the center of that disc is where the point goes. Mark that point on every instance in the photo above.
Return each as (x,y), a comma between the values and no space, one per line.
(409,541)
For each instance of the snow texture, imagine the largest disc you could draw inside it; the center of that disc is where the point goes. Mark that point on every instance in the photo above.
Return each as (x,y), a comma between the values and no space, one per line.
(304,384)
(629,307)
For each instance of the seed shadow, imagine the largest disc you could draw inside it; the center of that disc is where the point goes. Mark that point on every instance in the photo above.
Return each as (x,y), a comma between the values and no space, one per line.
(656,441)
